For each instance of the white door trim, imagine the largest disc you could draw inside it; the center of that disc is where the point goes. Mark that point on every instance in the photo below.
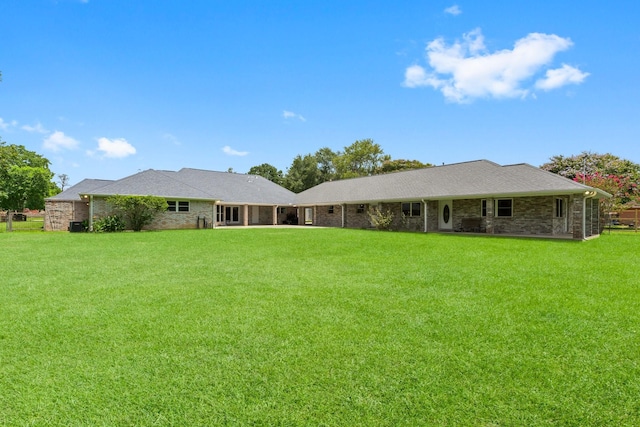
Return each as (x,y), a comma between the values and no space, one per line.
(445,214)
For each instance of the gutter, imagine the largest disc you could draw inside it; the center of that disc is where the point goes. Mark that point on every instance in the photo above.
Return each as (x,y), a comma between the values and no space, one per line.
(424,204)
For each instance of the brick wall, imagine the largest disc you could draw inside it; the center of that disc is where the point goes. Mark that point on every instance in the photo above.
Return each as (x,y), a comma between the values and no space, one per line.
(59,213)
(167,220)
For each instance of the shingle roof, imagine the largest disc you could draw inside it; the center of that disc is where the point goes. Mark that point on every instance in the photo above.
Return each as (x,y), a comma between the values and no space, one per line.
(197,184)
(236,187)
(83,187)
(475,179)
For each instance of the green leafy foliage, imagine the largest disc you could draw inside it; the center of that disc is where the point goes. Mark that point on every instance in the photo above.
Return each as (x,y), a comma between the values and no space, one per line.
(362,158)
(302,174)
(109,224)
(138,211)
(379,219)
(25,178)
(269,172)
(618,177)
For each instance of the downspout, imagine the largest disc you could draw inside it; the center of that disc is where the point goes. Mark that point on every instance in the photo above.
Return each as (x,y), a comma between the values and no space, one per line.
(424,203)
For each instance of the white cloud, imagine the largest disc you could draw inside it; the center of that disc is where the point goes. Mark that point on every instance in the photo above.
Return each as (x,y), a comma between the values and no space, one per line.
(5,125)
(453,10)
(171,138)
(114,148)
(38,128)
(291,115)
(560,77)
(465,69)
(59,141)
(231,152)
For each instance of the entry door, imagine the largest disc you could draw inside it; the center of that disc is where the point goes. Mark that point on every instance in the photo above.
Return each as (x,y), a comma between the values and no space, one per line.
(255,215)
(445,216)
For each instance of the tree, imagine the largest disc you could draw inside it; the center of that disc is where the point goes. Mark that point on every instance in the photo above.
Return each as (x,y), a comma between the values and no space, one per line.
(619,177)
(25,179)
(587,163)
(138,211)
(269,172)
(326,158)
(402,165)
(64,181)
(612,184)
(302,174)
(362,158)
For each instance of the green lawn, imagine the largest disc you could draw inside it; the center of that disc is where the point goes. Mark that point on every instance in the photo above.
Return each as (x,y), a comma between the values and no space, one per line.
(318,327)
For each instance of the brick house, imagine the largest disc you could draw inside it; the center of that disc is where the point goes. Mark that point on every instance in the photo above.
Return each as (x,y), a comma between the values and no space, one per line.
(196,199)
(478,196)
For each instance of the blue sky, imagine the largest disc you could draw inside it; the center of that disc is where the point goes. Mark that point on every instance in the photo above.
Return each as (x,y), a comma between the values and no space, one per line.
(105,88)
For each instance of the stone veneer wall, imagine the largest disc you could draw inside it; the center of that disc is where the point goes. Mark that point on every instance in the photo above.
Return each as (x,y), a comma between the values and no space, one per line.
(167,220)
(59,213)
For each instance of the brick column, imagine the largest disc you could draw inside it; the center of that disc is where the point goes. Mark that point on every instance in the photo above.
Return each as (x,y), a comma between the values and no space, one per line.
(577,215)
(490,216)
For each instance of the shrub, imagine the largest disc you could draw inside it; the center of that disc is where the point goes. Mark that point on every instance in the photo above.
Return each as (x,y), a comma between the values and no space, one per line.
(108,224)
(380,220)
(138,211)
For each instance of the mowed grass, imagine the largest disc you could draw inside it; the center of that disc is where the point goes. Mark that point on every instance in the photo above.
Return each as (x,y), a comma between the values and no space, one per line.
(318,327)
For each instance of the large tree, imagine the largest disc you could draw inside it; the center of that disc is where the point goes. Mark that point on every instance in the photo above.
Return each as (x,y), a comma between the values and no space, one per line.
(402,165)
(619,177)
(362,158)
(269,172)
(25,178)
(326,159)
(302,174)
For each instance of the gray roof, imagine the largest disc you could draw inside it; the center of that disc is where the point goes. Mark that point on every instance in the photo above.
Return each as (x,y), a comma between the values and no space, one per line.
(197,184)
(475,179)
(83,187)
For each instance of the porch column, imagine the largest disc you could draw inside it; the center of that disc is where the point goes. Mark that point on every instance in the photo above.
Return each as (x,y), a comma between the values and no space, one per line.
(490,216)
(91,213)
(426,217)
(275,215)
(578,216)
(245,215)
(344,214)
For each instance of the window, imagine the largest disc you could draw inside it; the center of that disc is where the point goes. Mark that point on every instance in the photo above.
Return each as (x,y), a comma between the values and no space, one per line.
(360,209)
(504,207)
(219,213)
(282,210)
(483,207)
(559,208)
(411,209)
(330,210)
(177,206)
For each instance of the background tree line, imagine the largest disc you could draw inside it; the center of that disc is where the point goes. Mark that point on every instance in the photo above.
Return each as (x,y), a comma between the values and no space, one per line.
(362,158)
(26,180)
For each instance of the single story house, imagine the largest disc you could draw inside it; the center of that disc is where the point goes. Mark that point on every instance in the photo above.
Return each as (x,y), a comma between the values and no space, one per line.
(196,199)
(477,196)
